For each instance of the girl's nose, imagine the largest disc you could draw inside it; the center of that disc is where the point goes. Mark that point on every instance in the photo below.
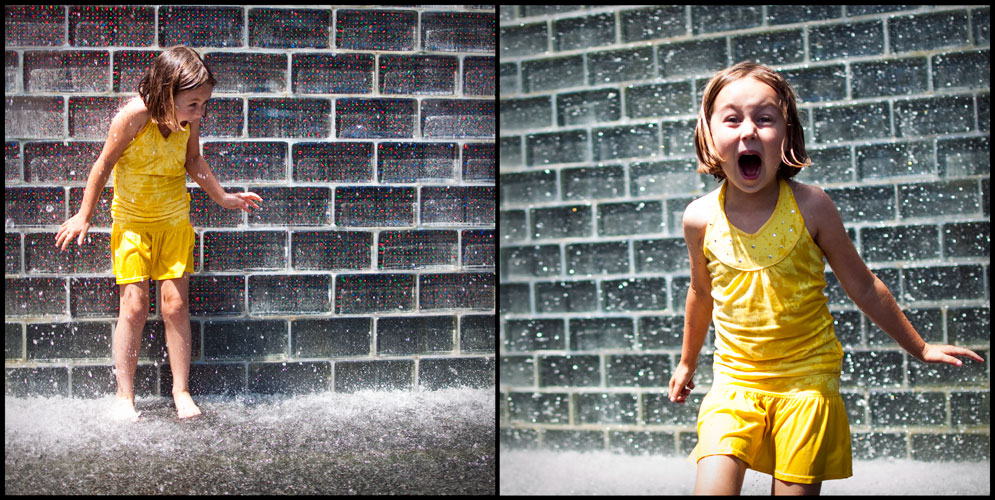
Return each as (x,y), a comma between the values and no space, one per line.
(749,129)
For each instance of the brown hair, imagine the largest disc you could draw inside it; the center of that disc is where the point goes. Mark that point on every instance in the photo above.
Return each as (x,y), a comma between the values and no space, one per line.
(175,70)
(793,155)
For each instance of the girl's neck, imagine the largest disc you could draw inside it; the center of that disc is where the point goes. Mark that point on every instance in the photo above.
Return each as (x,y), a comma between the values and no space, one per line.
(760,201)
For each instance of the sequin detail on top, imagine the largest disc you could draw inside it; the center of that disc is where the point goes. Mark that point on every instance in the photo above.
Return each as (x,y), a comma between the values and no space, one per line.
(773,328)
(150,191)
(766,247)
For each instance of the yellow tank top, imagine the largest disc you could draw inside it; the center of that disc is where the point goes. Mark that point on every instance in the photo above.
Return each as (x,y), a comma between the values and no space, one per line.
(773,330)
(150,191)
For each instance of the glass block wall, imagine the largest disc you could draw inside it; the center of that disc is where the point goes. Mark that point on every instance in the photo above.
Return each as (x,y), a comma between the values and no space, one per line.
(598,107)
(369,133)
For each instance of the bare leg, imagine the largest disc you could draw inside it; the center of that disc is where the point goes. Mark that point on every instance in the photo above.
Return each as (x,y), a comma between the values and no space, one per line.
(779,487)
(719,475)
(126,343)
(176,316)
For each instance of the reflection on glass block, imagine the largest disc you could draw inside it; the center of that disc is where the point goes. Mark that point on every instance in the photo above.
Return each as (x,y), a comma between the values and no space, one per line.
(58,161)
(456,291)
(478,76)
(289,294)
(458,118)
(457,205)
(458,31)
(375,30)
(34,206)
(478,162)
(31,117)
(478,248)
(223,117)
(244,250)
(34,25)
(417,74)
(416,249)
(374,206)
(558,147)
(410,162)
(391,375)
(331,337)
(622,142)
(96,26)
(246,161)
(34,296)
(217,295)
(477,333)
(424,335)
(201,26)
(289,117)
(297,206)
(41,256)
(333,161)
(367,293)
(129,68)
(290,28)
(328,73)
(242,72)
(331,249)
(373,118)
(69,71)
(90,117)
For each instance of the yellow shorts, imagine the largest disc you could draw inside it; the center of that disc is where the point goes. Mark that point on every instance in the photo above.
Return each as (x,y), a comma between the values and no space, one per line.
(802,437)
(157,255)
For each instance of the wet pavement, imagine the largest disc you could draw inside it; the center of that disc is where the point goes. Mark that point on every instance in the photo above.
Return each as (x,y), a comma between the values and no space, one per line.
(438,442)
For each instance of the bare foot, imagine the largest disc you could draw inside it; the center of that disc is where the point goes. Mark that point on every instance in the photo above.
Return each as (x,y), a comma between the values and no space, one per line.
(124,409)
(185,407)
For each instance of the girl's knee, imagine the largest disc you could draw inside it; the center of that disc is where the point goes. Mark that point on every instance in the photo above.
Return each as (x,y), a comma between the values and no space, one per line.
(173,305)
(135,302)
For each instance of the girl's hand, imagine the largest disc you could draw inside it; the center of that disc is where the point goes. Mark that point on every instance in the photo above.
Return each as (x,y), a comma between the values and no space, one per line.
(240,201)
(77,225)
(932,353)
(681,383)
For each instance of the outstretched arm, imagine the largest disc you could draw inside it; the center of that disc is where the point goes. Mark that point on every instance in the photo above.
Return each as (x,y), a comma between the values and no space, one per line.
(870,293)
(201,173)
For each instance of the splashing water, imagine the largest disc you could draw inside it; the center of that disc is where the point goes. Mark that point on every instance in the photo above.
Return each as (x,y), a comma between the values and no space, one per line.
(362,443)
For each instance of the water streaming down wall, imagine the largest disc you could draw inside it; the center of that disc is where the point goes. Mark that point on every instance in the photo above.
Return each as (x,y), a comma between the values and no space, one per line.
(369,133)
(598,107)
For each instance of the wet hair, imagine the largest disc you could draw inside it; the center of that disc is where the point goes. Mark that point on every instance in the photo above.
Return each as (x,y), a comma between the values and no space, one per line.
(793,155)
(176,69)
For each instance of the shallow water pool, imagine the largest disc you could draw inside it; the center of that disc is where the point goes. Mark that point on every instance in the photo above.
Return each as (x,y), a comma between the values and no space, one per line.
(363,443)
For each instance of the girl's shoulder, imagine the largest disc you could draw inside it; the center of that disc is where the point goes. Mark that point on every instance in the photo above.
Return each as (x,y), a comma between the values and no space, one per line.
(809,197)
(699,212)
(814,204)
(130,119)
(134,110)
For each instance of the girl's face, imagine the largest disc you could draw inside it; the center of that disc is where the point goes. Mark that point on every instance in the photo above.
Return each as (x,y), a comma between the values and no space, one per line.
(190,104)
(748,130)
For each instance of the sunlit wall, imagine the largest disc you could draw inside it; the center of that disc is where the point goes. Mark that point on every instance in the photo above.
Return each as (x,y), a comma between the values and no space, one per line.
(369,133)
(597,109)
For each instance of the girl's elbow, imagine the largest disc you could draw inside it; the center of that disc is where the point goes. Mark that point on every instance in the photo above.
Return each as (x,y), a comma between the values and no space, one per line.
(193,161)
(867,286)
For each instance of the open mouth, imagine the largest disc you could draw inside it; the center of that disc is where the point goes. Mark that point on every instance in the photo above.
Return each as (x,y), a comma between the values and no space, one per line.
(749,165)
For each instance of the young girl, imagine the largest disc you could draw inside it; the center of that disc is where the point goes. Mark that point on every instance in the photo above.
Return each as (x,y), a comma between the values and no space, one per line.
(153,142)
(756,246)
